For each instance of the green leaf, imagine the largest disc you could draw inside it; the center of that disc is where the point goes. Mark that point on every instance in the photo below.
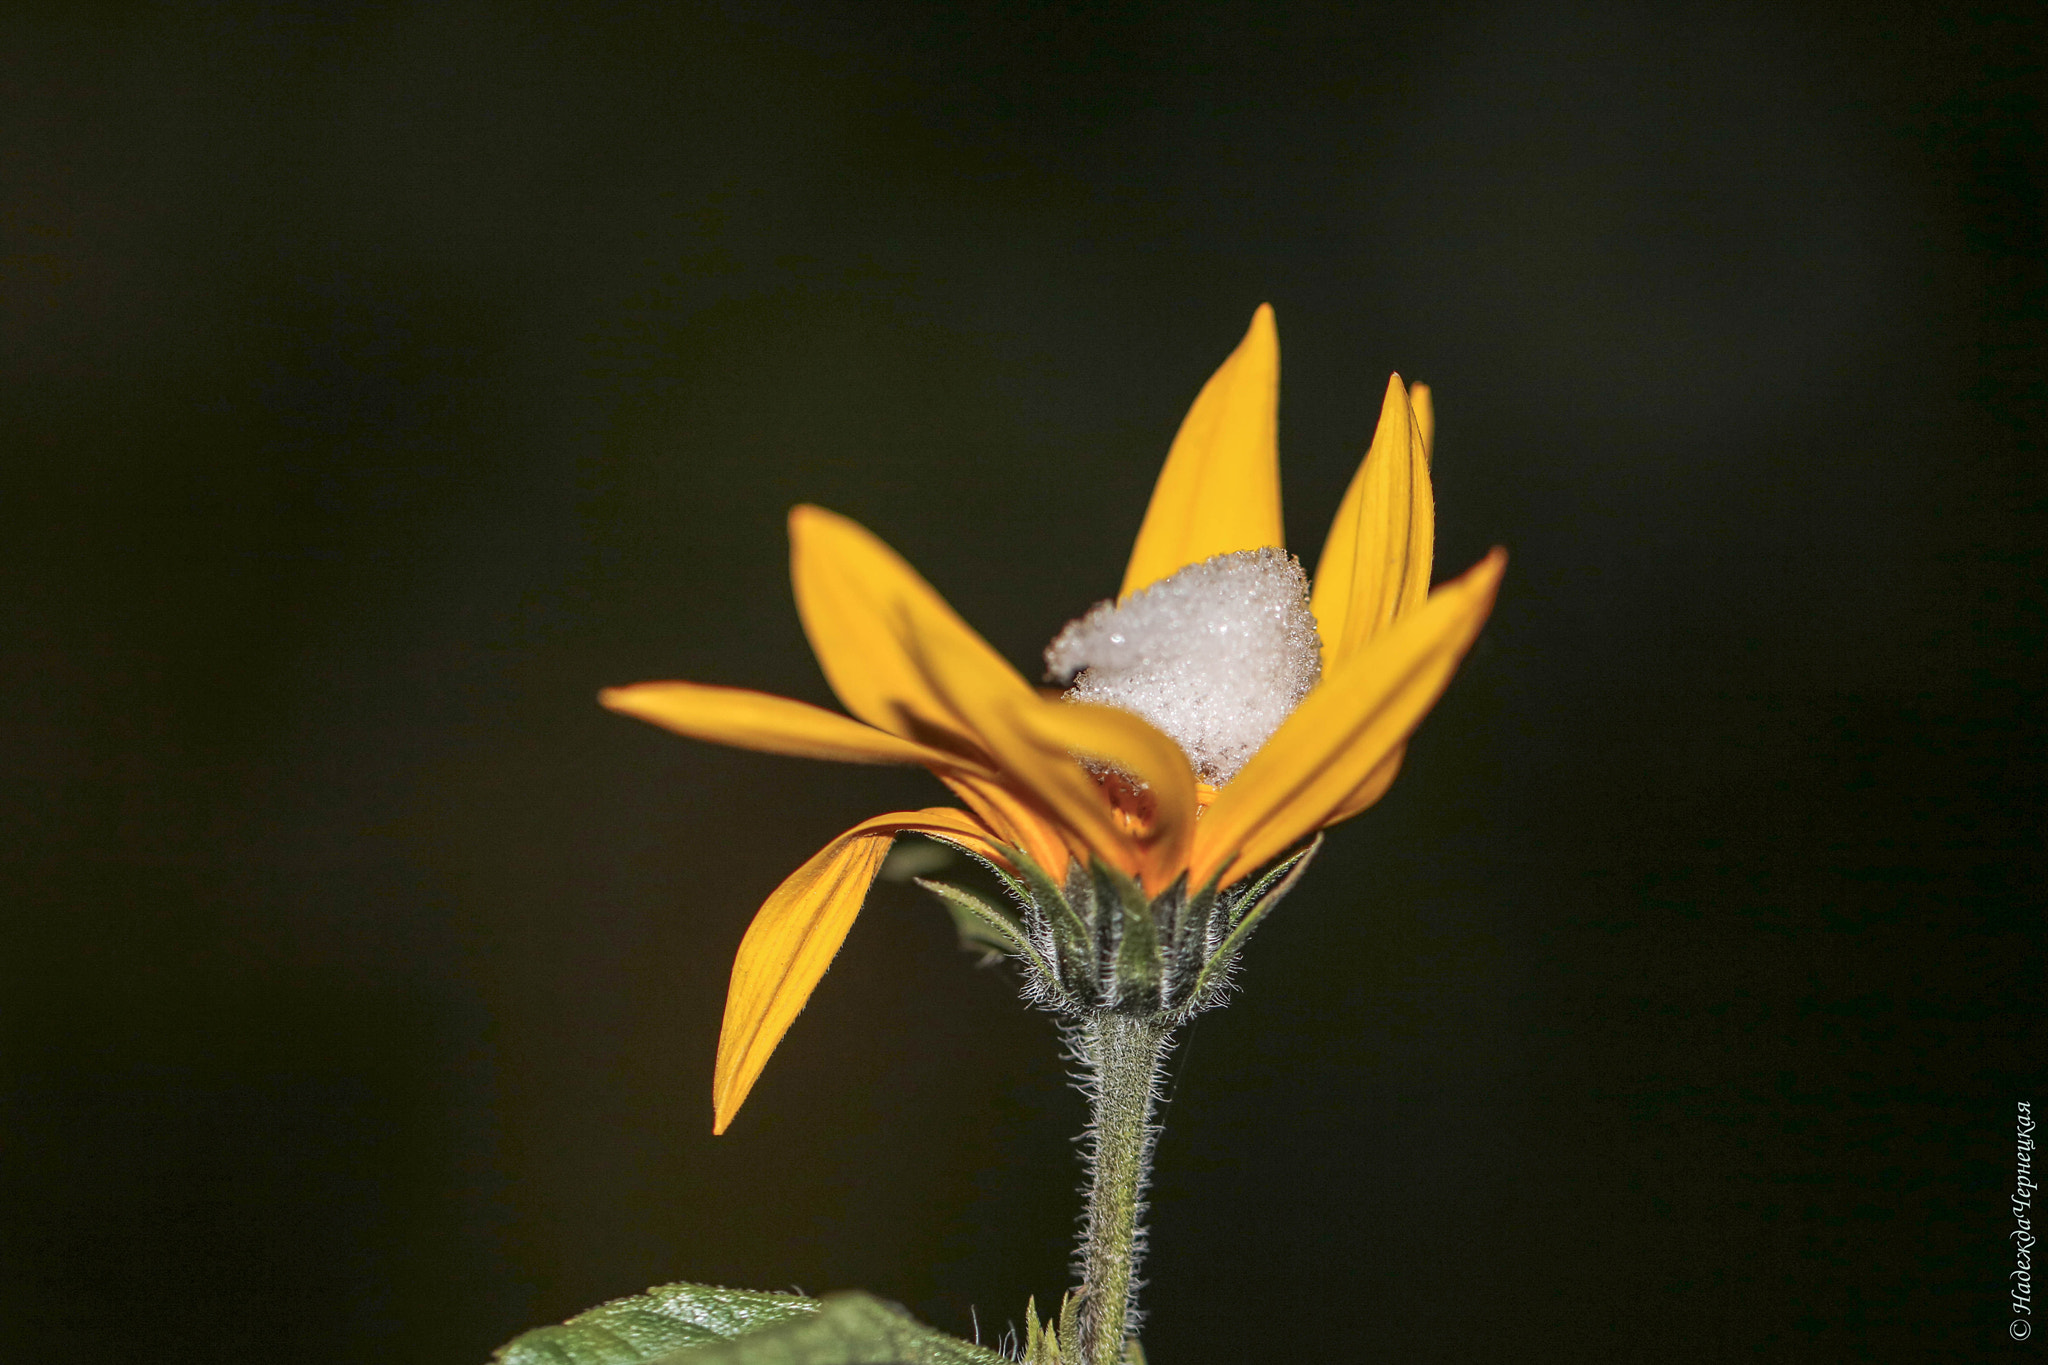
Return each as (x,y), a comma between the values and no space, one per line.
(665,1319)
(689,1324)
(851,1329)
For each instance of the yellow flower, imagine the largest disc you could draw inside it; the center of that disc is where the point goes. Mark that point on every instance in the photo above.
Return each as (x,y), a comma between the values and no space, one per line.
(924,688)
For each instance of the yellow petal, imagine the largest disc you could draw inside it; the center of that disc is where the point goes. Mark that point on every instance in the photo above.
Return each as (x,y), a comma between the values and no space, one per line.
(1331,750)
(1016,820)
(901,659)
(757,720)
(1376,560)
(1154,851)
(1372,789)
(1220,488)
(897,655)
(1035,748)
(795,935)
(1424,404)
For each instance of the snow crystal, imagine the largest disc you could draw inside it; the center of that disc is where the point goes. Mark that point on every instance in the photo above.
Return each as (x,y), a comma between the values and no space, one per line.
(1216,656)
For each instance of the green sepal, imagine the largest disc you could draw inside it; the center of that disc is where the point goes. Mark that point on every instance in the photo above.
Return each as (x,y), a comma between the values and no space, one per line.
(1015,888)
(1058,1340)
(1070,1324)
(1018,891)
(1098,954)
(1038,886)
(983,924)
(1137,964)
(1080,893)
(1254,894)
(690,1324)
(1041,1347)
(1288,873)
(980,920)
(1190,942)
(1070,934)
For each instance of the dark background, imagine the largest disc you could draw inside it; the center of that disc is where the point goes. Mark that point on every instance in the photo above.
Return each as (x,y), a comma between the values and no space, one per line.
(381,381)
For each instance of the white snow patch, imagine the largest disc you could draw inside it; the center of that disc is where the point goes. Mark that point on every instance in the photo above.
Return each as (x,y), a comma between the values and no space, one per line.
(1215,656)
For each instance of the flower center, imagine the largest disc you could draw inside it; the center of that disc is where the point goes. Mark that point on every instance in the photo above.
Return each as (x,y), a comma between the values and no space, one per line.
(1215,656)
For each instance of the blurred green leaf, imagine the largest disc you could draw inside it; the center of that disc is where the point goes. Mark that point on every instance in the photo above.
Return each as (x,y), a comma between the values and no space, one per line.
(911,857)
(981,923)
(666,1319)
(689,1324)
(850,1329)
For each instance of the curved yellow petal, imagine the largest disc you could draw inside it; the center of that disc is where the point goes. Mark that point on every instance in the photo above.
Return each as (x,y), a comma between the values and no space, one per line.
(1376,560)
(1153,846)
(795,935)
(901,659)
(1016,820)
(1035,749)
(771,724)
(1220,488)
(1334,745)
(1423,402)
(897,655)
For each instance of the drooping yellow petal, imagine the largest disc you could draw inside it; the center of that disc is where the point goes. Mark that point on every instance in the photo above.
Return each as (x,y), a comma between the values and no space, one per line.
(1376,560)
(897,655)
(1154,849)
(795,935)
(1220,488)
(1424,404)
(771,724)
(1333,747)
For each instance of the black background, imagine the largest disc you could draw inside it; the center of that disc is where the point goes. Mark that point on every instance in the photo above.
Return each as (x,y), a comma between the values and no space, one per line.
(381,381)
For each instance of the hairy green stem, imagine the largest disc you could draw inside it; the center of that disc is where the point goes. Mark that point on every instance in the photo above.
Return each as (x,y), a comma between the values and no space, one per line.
(1122,1056)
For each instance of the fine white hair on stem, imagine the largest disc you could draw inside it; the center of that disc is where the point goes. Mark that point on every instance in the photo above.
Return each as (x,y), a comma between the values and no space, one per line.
(1120,1066)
